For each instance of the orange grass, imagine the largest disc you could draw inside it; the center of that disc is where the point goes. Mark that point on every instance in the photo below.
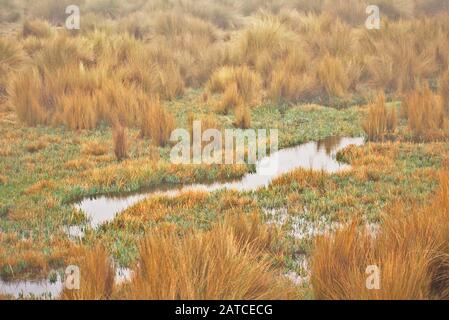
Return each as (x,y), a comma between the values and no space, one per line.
(425,114)
(410,250)
(97,275)
(157,123)
(381,120)
(120,142)
(205,265)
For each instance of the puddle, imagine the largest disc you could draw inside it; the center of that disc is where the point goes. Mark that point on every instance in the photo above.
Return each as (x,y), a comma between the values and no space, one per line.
(46,289)
(319,156)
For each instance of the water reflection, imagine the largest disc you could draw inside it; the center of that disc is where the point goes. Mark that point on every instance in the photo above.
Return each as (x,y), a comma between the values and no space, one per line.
(48,289)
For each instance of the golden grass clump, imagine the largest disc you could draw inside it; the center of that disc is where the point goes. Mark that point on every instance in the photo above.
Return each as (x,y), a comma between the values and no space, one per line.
(25,95)
(410,251)
(381,120)
(425,114)
(391,64)
(120,142)
(81,82)
(36,28)
(237,84)
(332,77)
(292,79)
(215,264)
(94,148)
(97,275)
(250,229)
(157,123)
(3,180)
(208,121)
(265,40)
(242,117)
(12,58)
(229,100)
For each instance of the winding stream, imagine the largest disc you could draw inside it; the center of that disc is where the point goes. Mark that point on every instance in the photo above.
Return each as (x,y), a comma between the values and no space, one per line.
(319,156)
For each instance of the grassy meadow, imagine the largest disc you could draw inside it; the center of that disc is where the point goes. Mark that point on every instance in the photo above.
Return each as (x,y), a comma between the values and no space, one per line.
(89,112)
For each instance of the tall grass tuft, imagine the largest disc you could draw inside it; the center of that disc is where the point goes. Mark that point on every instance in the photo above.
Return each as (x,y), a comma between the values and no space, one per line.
(217,264)
(120,142)
(332,77)
(238,85)
(242,117)
(12,58)
(97,274)
(36,28)
(157,123)
(25,96)
(410,251)
(381,120)
(425,114)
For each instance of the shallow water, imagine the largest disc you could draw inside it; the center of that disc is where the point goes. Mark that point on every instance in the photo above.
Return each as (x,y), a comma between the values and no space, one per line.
(319,156)
(46,289)
(25,289)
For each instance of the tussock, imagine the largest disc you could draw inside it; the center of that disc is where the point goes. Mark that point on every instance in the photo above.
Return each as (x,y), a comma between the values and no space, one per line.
(410,251)
(218,264)
(97,275)
(381,120)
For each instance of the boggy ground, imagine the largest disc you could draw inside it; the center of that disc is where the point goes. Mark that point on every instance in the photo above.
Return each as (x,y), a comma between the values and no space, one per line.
(142,65)
(46,169)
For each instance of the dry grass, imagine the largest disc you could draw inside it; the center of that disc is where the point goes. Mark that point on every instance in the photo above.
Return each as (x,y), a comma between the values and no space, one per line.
(425,114)
(242,117)
(120,142)
(3,180)
(39,186)
(332,76)
(11,59)
(218,264)
(238,85)
(36,146)
(381,120)
(36,28)
(25,93)
(94,148)
(410,250)
(292,79)
(157,123)
(229,100)
(315,52)
(208,121)
(97,275)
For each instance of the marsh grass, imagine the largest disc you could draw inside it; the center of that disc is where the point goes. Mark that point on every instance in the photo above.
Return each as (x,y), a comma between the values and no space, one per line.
(381,120)
(36,28)
(97,274)
(157,123)
(425,114)
(410,250)
(242,117)
(216,264)
(120,141)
